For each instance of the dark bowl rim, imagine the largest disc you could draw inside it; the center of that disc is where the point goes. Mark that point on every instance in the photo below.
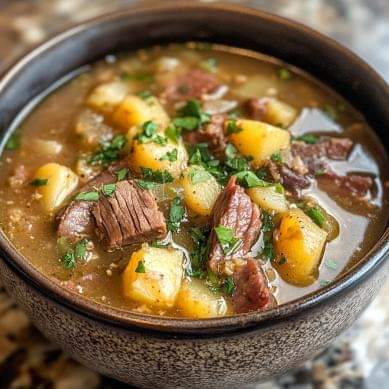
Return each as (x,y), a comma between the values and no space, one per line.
(188,327)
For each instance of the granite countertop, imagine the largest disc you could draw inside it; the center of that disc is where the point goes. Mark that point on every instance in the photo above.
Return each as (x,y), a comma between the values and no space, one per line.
(357,359)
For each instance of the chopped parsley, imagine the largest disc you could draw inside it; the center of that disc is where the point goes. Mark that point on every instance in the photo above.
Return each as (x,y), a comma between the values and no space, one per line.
(282,260)
(108,189)
(229,286)
(316,215)
(158,176)
(209,65)
(138,76)
(13,142)
(331,111)
(199,254)
(70,254)
(197,175)
(122,173)
(39,182)
(234,162)
(284,74)
(307,138)
(173,133)
(158,245)
(232,127)
(145,95)
(250,180)
(330,263)
(145,185)
(140,268)
(176,215)
(191,116)
(88,196)
(279,188)
(267,221)
(109,151)
(276,157)
(268,249)
(228,242)
(212,281)
(170,156)
(149,134)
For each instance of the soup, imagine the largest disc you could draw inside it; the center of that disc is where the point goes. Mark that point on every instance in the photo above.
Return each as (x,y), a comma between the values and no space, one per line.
(192,181)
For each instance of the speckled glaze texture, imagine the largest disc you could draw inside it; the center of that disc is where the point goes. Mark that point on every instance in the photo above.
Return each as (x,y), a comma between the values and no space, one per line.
(150,360)
(228,352)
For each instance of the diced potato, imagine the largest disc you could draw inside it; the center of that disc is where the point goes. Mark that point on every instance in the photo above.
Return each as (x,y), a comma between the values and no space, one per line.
(277,112)
(197,301)
(200,190)
(299,244)
(46,147)
(61,183)
(134,111)
(269,198)
(148,155)
(106,97)
(160,282)
(91,128)
(259,140)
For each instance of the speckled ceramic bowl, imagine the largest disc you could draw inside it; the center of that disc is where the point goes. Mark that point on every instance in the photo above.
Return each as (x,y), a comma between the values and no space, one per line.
(159,352)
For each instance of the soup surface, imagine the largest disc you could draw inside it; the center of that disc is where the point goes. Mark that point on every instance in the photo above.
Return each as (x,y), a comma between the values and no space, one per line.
(192,181)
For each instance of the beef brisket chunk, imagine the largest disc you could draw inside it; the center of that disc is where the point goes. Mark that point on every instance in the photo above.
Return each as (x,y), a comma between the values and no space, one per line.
(193,84)
(130,215)
(211,133)
(76,220)
(235,210)
(251,289)
(256,108)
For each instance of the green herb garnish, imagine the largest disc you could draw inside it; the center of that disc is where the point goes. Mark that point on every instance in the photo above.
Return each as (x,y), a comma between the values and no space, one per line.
(268,249)
(39,182)
(331,111)
(68,260)
(173,133)
(330,263)
(307,138)
(176,215)
(276,157)
(228,242)
(232,127)
(267,221)
(316,215)
(88,196)
(122,173)
(229,286)
(109,151)
(108,189)
(250,180)
(145,185)
(284,74)
(140,268)
(80,250)
(158,176)
(170,156)
(197,175)
(149,134)
(13,142)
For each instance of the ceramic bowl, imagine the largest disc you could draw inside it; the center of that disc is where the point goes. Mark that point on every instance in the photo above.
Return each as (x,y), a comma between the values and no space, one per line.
(160,352)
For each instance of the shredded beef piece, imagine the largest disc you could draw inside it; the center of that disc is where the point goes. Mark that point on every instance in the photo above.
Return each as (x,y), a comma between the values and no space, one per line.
(130,215)
(251,290)
(234,209)
(314,155)
(292,181)
(256,108)
(354,185)
(211,133)
(191,85)
(76,219)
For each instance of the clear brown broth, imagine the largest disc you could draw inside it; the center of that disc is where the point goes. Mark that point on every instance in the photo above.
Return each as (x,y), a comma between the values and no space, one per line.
(361,223)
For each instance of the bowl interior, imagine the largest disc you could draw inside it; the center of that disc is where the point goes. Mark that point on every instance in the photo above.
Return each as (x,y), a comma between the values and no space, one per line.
(139,27)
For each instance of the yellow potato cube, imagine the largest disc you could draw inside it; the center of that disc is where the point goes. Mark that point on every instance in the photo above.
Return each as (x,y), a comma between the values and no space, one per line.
(259,140)
(268,198)
(200,190)
(55,184)
(277,112)
(134,111)
(195,300)
(156,157)
(299,245)
(153,276)
(106,97)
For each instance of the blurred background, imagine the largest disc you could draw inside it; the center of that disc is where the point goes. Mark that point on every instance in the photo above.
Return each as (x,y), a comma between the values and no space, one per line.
(358,359)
